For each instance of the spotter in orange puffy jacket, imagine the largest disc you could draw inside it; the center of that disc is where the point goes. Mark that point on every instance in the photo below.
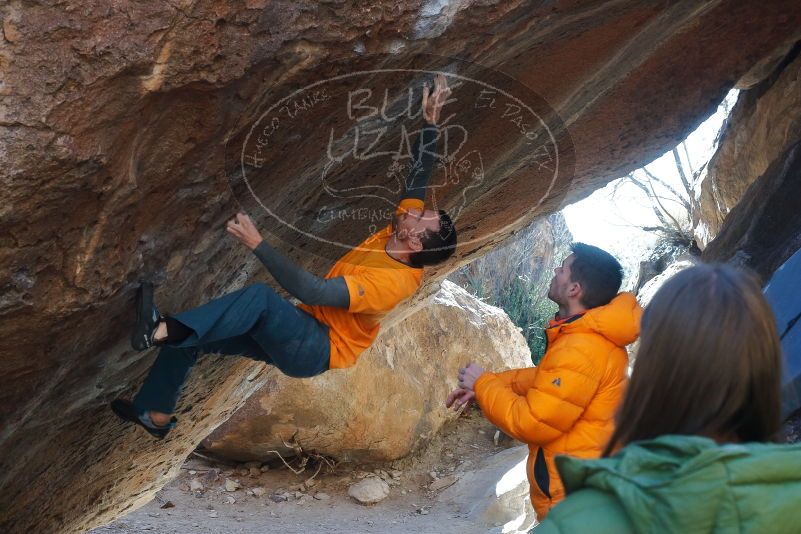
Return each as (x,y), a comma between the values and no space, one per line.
(565,405)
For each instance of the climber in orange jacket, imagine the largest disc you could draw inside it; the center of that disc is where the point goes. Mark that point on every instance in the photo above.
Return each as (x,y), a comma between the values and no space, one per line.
(566,404)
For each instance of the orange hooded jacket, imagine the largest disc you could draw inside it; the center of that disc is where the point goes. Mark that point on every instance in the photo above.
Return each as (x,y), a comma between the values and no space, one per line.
(565,405)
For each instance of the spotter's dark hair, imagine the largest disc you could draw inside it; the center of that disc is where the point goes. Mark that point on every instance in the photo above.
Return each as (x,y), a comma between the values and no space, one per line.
(598,273)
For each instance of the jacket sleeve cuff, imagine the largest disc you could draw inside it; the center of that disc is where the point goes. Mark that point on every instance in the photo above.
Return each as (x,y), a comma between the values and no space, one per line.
(481,383)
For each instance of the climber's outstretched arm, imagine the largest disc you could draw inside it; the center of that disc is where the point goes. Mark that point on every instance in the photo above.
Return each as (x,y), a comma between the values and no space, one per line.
(298,282)
(423,156)
(424,151)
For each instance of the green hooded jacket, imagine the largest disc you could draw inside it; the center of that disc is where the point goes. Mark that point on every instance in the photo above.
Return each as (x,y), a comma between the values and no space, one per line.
(683,484)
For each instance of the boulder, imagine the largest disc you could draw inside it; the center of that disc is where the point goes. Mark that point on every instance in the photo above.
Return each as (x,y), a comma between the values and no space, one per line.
(647,292)
(660,258)
(392,402)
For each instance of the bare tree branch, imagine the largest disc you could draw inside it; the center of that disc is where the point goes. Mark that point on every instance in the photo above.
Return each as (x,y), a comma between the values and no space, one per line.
(687,156)
(685,202)
(682,174)
(676,224)
(654,204)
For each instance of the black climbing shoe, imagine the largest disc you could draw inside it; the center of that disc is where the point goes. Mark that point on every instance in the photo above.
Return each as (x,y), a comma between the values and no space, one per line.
(147,317)
(125,410)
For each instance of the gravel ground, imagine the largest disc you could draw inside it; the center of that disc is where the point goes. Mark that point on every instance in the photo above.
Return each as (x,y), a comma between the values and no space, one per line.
(410,507)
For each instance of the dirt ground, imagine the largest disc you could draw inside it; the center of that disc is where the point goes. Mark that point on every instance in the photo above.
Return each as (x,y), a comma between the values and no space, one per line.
(286,507)
(289,504)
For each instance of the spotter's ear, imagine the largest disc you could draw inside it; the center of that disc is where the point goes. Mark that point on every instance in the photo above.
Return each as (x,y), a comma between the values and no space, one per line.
(575,290)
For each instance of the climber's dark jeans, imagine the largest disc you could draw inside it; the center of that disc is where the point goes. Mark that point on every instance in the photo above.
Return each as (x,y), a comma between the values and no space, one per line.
(255,322)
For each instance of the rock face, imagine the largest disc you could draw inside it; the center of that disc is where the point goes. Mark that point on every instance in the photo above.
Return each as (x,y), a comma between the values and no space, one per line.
(119,121)
(764,122)
(393,401)
(532,253)
(762,154)
(649,289)
(659,261)
(516,276)
(764,228)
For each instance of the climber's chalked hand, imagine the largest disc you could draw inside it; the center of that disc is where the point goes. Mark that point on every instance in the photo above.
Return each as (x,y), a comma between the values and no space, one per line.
(242,228)
(433,102)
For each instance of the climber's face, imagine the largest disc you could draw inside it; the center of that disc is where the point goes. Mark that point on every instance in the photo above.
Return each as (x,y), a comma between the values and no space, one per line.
(412,225)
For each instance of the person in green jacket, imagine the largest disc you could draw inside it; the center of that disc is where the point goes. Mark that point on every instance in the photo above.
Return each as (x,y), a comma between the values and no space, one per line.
(696,425)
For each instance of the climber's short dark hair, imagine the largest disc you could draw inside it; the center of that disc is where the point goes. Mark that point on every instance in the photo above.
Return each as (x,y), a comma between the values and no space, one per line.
(437,246)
